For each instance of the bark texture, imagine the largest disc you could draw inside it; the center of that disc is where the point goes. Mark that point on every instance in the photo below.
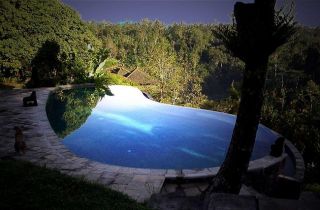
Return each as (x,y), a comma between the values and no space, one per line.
(235,165)
(258,33)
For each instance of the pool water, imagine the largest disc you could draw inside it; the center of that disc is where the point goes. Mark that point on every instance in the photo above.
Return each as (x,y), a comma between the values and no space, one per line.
(127,129)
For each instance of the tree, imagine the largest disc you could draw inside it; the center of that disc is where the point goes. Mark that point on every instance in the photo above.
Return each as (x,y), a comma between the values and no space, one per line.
(27,25)
(312,65)
(161,64)
(46,66)
(69,109)
(258,32)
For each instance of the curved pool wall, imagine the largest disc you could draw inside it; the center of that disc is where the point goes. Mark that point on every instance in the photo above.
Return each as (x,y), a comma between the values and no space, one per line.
(45,148)
(127,129)
(267,166)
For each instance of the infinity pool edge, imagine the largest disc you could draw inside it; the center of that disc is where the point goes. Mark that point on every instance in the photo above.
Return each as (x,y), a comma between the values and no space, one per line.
(202,173)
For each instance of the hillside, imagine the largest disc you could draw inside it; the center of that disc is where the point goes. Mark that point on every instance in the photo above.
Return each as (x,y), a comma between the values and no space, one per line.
(26,25)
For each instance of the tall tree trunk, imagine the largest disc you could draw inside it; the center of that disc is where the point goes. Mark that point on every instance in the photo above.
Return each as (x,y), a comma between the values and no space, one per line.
(258,32)
(236,163)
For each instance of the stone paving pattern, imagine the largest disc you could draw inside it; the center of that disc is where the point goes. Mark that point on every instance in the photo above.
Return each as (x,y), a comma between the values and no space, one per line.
(184,197)
(44,148)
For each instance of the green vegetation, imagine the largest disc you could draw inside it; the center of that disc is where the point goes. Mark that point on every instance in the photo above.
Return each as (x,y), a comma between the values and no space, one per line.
(292,105)
(177,56)
(313,187)
(25,186)
(10,83)
(107,63)
(258,30)
(111,79)
(200,73)
(69,109)
(26,26)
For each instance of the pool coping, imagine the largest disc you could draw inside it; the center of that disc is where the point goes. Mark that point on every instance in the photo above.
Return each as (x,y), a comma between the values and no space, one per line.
(46,149)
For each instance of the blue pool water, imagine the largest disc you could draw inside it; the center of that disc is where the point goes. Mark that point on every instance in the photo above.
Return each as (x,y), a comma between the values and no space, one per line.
(130,130)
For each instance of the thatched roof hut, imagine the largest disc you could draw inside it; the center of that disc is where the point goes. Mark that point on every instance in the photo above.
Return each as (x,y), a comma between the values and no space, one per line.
(140,77)
(137,76)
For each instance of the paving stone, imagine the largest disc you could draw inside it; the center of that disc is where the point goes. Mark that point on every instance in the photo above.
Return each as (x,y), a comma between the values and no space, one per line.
(46,149)
(133,193)
(138,195)
(153,187)
(114,169)
(175,201)
(123,179)
(160,172)
(155,178)
(109,175)
(278,204)
(169,188)
(118,187)
(92,177)
(202,186)
(34,148)
(156,181)
(220,201)
(244,190)
(192,191)
(51,157)
(126,170)
(171,173)
(52,165)
(188,185)
(106,181)
(136,186)
(140,178)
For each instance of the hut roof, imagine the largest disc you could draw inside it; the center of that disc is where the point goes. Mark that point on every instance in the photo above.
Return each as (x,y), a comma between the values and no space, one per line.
(140,77)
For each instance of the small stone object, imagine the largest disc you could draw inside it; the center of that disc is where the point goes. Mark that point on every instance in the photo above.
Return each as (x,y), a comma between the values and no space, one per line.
(30,100)
(19,144)
(277,147)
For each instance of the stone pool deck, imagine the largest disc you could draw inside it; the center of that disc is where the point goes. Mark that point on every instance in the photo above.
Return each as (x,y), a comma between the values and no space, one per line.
(44,148)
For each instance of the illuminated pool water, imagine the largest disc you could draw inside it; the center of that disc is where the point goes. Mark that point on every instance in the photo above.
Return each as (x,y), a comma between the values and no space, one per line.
(127,129)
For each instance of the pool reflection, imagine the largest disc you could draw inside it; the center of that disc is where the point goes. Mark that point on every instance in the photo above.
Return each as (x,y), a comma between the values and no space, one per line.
(129,130)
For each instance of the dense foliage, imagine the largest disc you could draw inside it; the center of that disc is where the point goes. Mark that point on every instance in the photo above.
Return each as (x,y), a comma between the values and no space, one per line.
(189,64)
(184,59)
(26,26)
(292,97)
(193,68)
(68,109)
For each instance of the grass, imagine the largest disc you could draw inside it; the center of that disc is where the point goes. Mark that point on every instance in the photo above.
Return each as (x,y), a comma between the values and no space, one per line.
(10,83)
(110,62)
(313,187)
(25,186)
(107,63)
(107,78)
(114,79)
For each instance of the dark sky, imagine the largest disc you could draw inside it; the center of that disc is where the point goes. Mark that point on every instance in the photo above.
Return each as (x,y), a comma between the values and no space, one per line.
(187,11)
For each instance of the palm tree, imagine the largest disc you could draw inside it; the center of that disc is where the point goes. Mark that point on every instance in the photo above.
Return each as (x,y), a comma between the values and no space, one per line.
(259,30)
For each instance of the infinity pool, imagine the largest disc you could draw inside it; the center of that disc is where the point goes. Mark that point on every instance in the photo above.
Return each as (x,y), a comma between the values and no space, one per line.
(127,129)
